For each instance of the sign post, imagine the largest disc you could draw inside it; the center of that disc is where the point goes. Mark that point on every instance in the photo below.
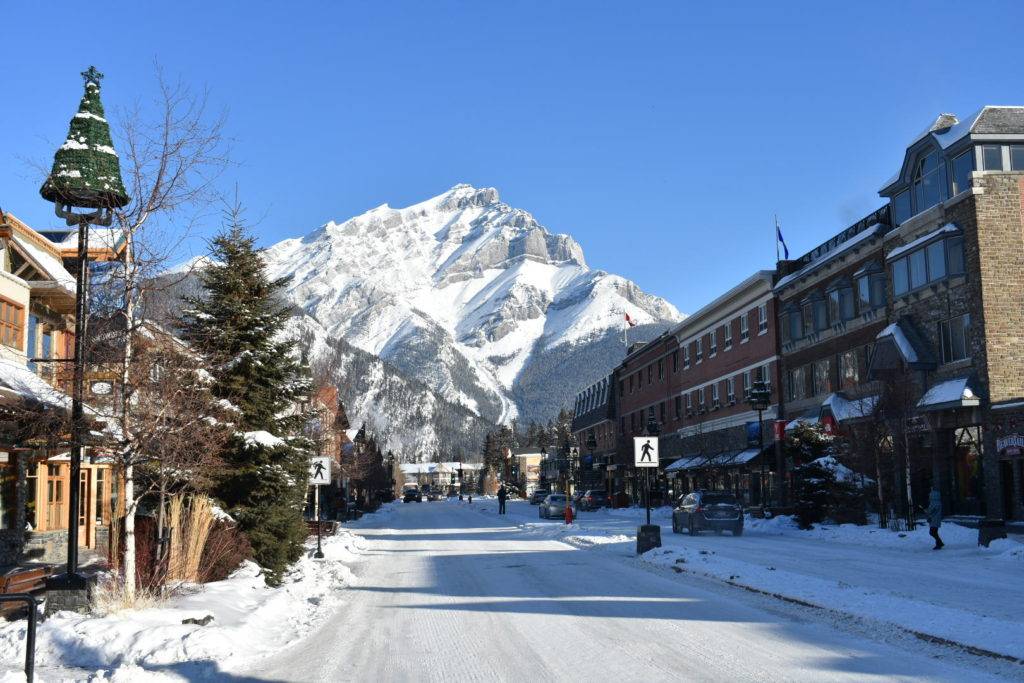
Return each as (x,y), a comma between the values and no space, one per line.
(319,475)
(645,455)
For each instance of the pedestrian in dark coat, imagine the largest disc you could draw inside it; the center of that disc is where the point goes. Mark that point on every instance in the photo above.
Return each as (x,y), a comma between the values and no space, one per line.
(502,495)
(935,517)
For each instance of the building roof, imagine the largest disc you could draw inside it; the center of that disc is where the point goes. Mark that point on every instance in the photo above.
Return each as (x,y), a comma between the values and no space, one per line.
(845,409)
(711,312)
(953,393)
(912,349)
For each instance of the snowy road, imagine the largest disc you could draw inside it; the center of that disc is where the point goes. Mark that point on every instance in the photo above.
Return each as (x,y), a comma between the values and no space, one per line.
(447,593)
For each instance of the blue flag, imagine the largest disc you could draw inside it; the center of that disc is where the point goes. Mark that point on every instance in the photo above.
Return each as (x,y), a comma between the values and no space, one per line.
(778,233)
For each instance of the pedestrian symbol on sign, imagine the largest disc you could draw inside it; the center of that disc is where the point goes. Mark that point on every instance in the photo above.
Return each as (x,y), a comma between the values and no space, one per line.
(645,451)
(319,471)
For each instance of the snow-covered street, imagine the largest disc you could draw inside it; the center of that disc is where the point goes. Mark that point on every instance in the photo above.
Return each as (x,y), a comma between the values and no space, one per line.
(448,593)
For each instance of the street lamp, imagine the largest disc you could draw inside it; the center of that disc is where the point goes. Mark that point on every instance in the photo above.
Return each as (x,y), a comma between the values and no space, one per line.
(760,398)
(86,174)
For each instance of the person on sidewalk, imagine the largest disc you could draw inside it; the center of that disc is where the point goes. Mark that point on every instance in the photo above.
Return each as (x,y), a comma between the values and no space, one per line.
(935,517)
(502,495)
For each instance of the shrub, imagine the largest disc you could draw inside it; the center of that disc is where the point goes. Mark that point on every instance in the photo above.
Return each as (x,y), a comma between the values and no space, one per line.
(226,548)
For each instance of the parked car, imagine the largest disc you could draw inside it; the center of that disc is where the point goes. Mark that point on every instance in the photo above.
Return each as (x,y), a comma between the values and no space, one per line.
(593,499)
(553,505)
(411,494)
(538,496)
(715,510)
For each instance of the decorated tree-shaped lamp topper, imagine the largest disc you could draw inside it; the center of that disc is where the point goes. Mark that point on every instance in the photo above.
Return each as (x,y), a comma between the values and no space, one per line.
(86,172)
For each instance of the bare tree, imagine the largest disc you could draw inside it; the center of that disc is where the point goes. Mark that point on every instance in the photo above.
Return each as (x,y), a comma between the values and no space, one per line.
(170,155)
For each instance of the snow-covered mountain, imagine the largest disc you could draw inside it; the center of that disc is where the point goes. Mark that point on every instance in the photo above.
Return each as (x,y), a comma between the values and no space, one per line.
(468,297)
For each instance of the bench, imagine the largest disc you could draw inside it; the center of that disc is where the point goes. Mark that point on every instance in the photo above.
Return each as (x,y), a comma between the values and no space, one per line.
(22,580)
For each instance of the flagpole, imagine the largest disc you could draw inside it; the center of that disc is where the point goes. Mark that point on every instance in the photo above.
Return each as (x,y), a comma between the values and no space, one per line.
(776,238)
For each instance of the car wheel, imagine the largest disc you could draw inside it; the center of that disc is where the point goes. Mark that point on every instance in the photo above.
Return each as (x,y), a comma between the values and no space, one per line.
(692,528)
(737,530)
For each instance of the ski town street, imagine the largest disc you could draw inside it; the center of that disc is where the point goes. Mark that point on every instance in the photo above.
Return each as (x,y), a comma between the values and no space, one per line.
(290,392)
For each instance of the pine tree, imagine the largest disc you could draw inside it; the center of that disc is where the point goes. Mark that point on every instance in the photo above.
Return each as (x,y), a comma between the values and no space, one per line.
(236,324)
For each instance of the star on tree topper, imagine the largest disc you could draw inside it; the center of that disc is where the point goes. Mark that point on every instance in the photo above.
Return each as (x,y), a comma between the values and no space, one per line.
(92,75)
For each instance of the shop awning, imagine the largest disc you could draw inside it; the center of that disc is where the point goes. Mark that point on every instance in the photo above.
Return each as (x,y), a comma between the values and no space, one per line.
(953,393)
(845,409)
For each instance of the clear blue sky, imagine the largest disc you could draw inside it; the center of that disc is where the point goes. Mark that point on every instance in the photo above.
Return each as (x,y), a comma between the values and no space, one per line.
(663,136)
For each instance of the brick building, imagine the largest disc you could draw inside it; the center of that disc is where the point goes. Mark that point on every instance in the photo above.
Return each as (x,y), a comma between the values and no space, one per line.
(593,424)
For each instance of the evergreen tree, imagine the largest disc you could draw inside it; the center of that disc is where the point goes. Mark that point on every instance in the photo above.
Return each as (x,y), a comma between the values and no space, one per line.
(236,324)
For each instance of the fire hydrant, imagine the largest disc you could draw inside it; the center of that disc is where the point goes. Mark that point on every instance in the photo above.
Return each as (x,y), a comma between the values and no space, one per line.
(568,512)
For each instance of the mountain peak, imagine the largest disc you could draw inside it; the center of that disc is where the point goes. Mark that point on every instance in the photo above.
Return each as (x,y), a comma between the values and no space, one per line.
(463,196)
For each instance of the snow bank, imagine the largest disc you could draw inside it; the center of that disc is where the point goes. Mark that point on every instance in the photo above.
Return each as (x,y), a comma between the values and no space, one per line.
(250,621)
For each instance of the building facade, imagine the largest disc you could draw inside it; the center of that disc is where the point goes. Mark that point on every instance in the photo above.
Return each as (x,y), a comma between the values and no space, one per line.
(593,428)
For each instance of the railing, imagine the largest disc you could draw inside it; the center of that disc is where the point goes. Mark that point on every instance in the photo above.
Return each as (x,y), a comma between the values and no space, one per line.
(30,636)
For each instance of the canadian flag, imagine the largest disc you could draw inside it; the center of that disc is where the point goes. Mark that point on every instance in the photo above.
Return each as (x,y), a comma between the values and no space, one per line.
(630,321)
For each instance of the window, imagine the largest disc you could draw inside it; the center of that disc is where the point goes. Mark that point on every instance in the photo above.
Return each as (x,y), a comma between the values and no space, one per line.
(661,369)
(796,383)
(762,318)
(766,376)
(955,255)
(901,207)
(728,335)
(1017,158)
(714,395)
(820,314)
(699,344)
(822,377)
(955,335)
(679,407)
(807,310)
(900,283)
(689,402)
(650,374)
(929,181)
(849,372)
(918,269)
(31,340)
(700,398)
(11,323)
(686,356)
(963,165)
(744,328)
(864,294)
(992,157)
(622,388)
(631,384)
(730,390)
(796,326)
(746,385)
(661,412)
(99,494)
(675,360)
(712,343)
(935,255)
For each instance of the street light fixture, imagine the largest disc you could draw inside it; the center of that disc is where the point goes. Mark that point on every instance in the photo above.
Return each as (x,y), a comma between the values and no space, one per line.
(760,398)
(86,174)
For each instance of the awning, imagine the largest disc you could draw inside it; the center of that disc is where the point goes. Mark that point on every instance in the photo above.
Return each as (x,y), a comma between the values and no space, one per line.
(723,459)
(953,393)
(743,457)
(19,383)
(809,418)
(845,409)
(900,344)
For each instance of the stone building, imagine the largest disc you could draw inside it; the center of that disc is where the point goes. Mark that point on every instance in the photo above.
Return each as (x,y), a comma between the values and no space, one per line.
(956,282)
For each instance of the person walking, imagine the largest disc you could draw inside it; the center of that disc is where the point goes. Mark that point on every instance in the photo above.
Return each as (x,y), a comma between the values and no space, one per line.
(502,495)
(935,517)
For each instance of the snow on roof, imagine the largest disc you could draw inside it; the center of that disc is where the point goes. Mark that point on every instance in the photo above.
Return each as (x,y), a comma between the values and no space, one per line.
(902,342)
(844,409)
(810,418)
(829,255)
(48,263)
(899,251)
(952,391)
(16,378)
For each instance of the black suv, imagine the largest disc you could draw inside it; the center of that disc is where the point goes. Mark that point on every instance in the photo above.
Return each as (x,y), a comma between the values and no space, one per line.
(702,510)
(412,495)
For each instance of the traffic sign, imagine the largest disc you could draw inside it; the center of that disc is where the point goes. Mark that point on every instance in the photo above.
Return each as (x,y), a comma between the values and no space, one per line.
(645,451)
(574,453)
(319,471)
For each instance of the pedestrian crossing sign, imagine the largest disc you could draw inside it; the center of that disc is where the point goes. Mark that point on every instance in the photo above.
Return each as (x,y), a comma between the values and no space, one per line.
(319,471)
(645,451)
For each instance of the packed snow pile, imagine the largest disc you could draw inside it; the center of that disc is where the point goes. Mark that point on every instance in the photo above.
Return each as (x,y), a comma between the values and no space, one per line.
(249,621)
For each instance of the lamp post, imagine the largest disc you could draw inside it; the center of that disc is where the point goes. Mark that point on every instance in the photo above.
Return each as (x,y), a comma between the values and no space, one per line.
(86,175)
(760,399)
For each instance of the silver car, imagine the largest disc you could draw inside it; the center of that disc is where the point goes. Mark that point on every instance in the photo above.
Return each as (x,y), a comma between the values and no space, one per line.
(553,506)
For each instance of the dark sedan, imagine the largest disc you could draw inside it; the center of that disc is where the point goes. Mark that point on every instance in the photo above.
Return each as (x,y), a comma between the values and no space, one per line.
(704,510)
(593,499)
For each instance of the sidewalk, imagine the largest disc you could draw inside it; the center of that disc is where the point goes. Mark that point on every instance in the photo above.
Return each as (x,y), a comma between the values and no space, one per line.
(963,593)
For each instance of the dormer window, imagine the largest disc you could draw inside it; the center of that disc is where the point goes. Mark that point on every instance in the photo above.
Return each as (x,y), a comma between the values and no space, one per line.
(870,287)
(840,300)
(901,210)
(929,181)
